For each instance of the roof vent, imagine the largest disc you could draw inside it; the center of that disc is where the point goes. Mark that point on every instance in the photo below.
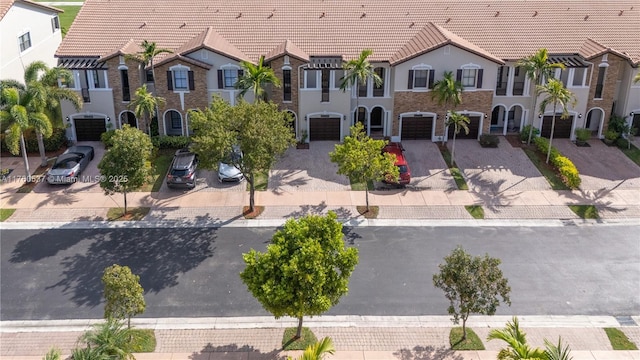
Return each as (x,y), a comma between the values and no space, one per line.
(586,17)
(621,12)
(217,11)
(270,16)
(322,15)
(183,25)
(447,21)
(239,16)
(497,14)
(412,24)
(143,25)
(363,15)
(535,13)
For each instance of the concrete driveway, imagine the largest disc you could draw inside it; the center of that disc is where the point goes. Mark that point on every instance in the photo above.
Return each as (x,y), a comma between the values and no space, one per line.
(601,167)
(307,170)
(495,170)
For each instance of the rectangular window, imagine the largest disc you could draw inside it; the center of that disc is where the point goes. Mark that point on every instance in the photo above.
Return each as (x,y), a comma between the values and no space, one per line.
(126,93)
(420,78)
(180,79)
(600,82)
(469,77)
(175,120)
(99,79)
(149,75)
(230,78)
(286,85)
(25,41)
(337,74)
(312,79)
(578,76)
(502,81)
(325,84)
(378,90)
(564,77)
(55,23)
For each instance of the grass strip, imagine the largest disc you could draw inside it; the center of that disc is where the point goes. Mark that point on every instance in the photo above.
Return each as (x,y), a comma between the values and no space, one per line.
(307,338)
(472,342)
(476,211)
(585,211)
(618,339)
(6,213)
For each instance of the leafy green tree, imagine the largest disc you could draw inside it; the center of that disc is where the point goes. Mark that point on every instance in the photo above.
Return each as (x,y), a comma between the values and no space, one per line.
(125,166)
(304,271)
(557,95)
(42,81)
(255,78)
(123,294)
(447,92)
(110,338)
(472,285)
(459,122)
(537,68)
(516,339)
(145,104)
(361,159)
(357,71)
(260,130)
(318,350)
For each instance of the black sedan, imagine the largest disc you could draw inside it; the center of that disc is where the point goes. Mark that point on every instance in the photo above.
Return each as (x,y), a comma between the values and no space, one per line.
(70,164)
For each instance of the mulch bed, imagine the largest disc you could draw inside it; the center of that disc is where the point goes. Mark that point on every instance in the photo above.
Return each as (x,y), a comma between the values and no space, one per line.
(514,141)
(257,210)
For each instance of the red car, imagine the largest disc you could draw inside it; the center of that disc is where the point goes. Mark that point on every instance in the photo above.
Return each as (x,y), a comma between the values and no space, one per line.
(405,173)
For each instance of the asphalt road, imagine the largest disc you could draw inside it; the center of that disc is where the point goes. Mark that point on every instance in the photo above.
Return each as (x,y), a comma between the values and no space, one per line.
(572,270)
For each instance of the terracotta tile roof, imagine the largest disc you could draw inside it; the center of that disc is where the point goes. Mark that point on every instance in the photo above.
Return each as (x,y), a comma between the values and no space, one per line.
(287,48)
(591,49)
(211,40)
(175,57)
(5,5)
(432,37)
(130,47)
(507,29)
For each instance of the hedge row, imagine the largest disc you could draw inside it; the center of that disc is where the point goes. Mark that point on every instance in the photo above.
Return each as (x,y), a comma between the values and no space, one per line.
(568,171)
(170,142)
(55,142)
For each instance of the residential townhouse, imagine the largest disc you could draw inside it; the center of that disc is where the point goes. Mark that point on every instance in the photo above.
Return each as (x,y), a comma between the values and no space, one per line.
(29,32)
(306,44)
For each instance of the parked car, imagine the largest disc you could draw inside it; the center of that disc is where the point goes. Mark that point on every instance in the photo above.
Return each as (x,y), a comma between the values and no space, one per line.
(226,170)
(182,172)
(396,149)
(70,164)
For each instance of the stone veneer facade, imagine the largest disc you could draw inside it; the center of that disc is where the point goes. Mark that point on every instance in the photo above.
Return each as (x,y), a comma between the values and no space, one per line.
(115,82)
(276,94)
(611,76)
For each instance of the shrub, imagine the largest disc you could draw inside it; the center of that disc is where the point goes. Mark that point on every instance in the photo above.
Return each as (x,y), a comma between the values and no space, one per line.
(107,138)
(611,135)
(53,143)
(487,140)
(170,142)
(617,124)
(583,134)
(524,134)
(566,168)
(622,143)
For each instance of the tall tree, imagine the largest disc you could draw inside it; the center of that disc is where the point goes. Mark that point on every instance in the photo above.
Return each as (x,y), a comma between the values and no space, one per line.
(123,294)
(305,269)
(260,130)
(459,122)
(356,73)
(517,346)
(472,285)
(42,81)
(448,93)
(537,68)
(145,104)
(18,113)
(255,78)
(361,159)
(557,95)
(125,166)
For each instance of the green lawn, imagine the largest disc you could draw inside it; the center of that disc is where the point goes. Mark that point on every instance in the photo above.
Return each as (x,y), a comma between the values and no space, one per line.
(160,166)
(545,169)
(618,339)
(455,172)
(585,211)
(306,339)
(476,211)
(472,342)
(633,154)
(67,17)
(6,213)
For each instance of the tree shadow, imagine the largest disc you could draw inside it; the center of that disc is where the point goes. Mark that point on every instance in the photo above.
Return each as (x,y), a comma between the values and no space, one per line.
(428,353)
(235,352)
(350,235)
(320,209)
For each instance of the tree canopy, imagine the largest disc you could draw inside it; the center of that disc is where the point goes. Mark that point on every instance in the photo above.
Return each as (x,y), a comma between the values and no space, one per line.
(123,294)
(260,130)
(305,269)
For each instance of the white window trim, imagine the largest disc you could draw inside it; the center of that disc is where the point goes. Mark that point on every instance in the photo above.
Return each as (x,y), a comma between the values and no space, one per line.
(421,67)
(471,66)
(318,79)
(175,68)
(228,66)
(57,22)
(21,34)
(287,67)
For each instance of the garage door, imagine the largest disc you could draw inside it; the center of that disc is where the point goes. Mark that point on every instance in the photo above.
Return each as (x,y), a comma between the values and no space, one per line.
(89,129)
(417,127)
(562,130)
(324,129)
(474,129)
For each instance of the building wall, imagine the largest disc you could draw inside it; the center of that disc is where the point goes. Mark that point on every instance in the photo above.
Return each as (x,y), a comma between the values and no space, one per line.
(613,73)
(276,94)
(115,83)
(45,40)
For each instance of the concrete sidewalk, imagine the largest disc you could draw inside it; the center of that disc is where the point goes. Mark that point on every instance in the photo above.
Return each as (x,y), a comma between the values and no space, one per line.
(354,337)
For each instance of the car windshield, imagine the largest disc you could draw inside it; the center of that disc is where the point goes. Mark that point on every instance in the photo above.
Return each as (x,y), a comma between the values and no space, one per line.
(403,169)
(70,164)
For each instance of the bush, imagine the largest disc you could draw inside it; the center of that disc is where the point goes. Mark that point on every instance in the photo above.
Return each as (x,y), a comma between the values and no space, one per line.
(53,143)
(107,138)
(622,143)
(583,134)
(524,134)
(611,135)
(617,124)
(170,142)
(487,140)
(566,168)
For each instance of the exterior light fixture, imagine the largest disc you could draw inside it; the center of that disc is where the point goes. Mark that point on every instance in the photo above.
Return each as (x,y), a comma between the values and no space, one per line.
(67,118)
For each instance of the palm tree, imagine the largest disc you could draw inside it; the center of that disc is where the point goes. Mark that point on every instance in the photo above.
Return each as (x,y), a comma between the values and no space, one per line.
(357,71)
(516,340)
(88,354)
(447,91)
(537,68)
(557,352)
(254,78)
(459,122)
(318,350)
(110,338)
(144,103)
(42,81)
(556,94)
(19,114)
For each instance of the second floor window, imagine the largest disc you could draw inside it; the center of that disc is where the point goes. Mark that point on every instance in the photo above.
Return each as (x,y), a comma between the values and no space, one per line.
(311,79)
(124,78)
(230,77)
(470,77)
(99,81)
(420,79)
(55,23)
(325,84)
(600,82)
(286,85)
(180,79)
(378,90)
(25,41)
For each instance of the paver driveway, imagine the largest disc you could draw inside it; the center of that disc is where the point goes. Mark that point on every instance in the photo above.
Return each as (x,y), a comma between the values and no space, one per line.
(428,169)
(307,170)
(495,170)
(601,167)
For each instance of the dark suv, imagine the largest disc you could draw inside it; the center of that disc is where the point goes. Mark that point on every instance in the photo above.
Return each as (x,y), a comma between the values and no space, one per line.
(182,172)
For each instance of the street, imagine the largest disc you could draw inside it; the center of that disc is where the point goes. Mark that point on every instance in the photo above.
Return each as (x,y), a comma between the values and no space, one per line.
(570,270)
